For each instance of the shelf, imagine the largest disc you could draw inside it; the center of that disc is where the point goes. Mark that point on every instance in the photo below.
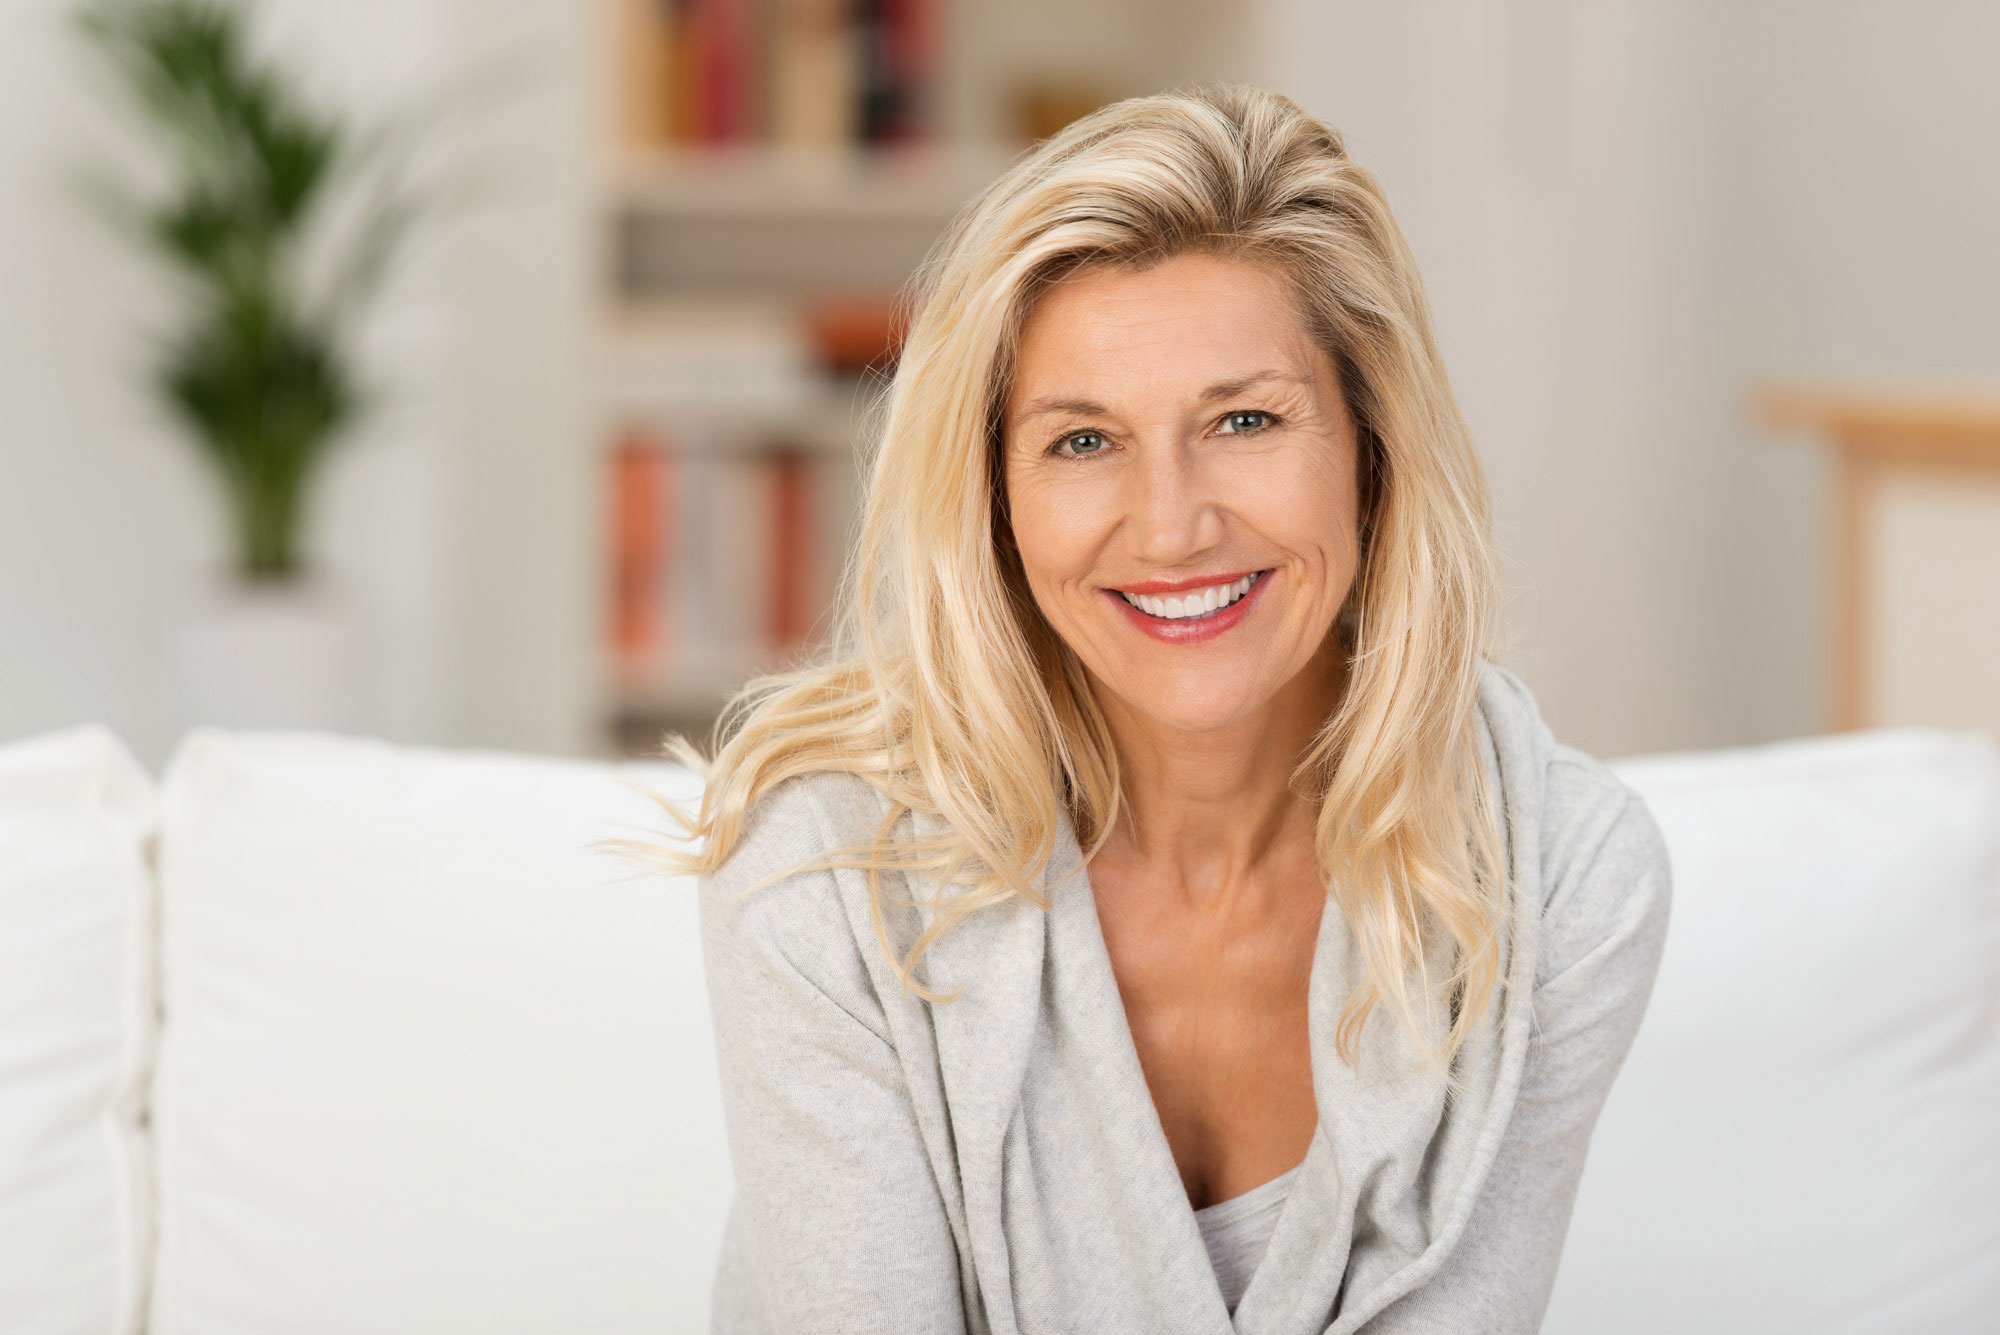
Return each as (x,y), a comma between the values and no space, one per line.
(925,182)
(673,699)
(729,370)
(817,423)
(767,221)
(709,408)
(639,716)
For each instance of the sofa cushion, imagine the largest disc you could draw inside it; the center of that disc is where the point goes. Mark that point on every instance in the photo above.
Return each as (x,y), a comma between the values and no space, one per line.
(1806,1133)
(432,1062)
(76,1032)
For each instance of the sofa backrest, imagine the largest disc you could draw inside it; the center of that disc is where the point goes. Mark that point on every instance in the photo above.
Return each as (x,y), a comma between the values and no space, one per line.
(1806,1134)
(431,1061)
(76,1018)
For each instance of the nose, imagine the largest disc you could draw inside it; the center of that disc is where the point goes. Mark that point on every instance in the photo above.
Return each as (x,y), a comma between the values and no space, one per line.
(1171,513)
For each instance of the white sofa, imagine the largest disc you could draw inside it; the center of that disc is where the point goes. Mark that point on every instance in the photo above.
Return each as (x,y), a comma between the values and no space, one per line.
(323,1035)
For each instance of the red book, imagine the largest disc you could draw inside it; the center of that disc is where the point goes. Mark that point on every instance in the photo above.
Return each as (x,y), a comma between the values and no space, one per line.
(912,60)
(723,58)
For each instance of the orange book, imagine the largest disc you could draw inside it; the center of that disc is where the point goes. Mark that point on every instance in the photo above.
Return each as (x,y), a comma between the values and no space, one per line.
(788,606)
(639,481)
(683,66)
(644,40)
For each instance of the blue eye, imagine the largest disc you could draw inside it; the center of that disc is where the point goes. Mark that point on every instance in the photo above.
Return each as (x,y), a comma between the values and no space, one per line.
(1080,438)
(1235,423)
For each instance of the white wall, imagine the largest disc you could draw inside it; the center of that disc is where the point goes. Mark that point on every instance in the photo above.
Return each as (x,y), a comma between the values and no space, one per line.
(526,508)
(1867,186)
(98,517)
(443,517)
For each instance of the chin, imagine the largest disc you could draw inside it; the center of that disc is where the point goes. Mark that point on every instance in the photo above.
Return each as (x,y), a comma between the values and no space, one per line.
(1194,700)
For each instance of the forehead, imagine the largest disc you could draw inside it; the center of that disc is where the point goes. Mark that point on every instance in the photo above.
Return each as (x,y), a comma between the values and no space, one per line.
(1187,320)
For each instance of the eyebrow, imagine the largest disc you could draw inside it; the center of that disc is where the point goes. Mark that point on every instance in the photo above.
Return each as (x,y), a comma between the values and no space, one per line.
(1221,389)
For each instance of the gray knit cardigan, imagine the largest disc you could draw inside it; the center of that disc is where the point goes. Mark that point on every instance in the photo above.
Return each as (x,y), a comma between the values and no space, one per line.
(996,1163)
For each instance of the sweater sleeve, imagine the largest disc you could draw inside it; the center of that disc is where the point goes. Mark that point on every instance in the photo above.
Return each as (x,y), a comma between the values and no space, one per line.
(837,1223)
(1608,888)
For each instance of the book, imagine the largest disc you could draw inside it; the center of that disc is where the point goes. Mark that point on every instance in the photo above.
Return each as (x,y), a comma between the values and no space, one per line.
(816,74)
(790,539)
(812,74)
(641,469)
(643,36)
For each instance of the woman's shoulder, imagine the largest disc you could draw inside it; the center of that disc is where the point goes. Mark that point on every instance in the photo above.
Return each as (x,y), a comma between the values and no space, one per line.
(1607,874)
(797,819)
(772,904)
(1603,862)
(809,813)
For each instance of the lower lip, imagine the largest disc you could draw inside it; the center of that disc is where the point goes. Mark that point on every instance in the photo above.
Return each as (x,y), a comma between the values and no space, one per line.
(1191,630)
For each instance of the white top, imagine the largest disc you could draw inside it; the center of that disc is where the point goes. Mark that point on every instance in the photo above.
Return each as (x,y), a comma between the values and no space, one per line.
(1235,1231)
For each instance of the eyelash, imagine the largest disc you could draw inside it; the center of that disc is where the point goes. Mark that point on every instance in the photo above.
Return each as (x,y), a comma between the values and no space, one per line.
(1271,420)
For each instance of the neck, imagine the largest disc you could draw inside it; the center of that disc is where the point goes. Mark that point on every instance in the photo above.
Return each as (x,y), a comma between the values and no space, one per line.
(1210,815)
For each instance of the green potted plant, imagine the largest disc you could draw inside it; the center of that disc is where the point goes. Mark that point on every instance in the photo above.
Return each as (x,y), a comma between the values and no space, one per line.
(278,221)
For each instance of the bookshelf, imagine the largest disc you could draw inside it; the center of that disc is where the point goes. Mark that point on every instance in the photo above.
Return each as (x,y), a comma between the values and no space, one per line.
(767,174)
(770,172)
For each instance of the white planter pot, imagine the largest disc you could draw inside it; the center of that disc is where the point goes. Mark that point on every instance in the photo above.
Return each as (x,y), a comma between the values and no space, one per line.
(260,655)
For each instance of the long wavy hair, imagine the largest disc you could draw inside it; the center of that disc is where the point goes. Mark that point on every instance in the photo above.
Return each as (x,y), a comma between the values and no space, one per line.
(944,687)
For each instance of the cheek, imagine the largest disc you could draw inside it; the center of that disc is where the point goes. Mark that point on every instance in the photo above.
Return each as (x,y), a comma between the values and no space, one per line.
(1056,526)
(1306,499)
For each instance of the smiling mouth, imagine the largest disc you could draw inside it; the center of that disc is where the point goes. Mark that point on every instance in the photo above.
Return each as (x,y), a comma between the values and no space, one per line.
(1195,604)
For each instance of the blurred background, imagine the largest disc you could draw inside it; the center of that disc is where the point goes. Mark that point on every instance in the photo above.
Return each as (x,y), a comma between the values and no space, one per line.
(1717,284)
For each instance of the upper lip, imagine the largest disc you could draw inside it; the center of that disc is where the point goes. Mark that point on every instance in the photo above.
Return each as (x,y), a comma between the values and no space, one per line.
(1182,585)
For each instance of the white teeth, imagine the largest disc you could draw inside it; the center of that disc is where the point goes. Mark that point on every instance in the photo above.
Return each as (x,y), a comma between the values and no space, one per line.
(1194,603)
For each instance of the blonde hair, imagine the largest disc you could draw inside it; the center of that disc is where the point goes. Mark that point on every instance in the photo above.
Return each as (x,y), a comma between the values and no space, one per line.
(945,688)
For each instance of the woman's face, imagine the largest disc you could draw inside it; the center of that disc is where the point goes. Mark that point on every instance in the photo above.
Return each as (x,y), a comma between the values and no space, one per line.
(1181,478)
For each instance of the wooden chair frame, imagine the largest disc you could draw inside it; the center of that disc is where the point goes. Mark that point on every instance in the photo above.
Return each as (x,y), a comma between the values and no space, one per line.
(1876,436)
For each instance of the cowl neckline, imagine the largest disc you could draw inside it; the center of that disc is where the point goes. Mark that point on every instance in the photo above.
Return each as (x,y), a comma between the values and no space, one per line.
(1387,1183)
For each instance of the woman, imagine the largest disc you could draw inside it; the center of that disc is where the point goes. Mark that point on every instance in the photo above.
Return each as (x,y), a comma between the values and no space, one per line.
(1158,913)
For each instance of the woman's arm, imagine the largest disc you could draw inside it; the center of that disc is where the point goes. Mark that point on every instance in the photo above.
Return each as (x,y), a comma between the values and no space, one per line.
(1604,927)
(837,1223)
